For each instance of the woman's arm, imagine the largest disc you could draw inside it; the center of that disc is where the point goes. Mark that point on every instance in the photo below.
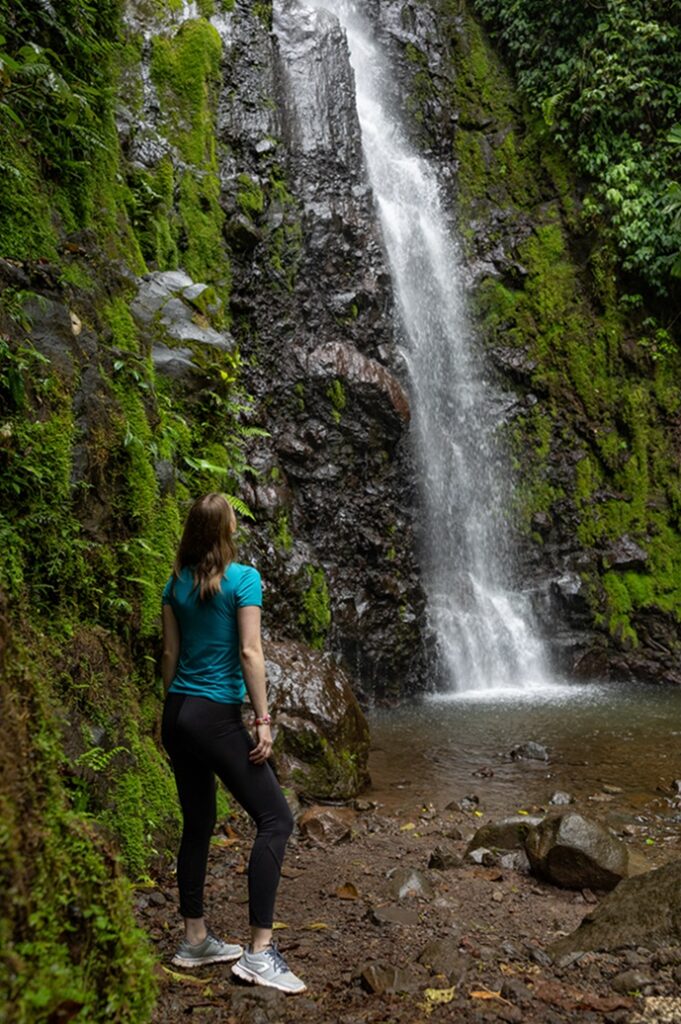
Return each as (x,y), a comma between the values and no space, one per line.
(171,646)
(253,665)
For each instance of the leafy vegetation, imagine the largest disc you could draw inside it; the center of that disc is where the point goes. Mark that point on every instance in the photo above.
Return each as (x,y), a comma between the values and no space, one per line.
(605,79)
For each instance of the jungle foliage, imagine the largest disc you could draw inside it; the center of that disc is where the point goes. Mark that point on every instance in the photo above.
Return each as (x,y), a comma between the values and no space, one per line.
(605,78)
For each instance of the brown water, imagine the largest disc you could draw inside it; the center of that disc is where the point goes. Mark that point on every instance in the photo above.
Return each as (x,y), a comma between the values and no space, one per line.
(626,736)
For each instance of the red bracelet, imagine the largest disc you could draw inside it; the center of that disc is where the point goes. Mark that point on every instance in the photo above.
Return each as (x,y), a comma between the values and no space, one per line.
(265,720)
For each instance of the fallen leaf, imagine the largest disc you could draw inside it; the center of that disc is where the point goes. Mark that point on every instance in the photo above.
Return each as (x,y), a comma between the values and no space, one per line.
(348,891)
(224,841)
(478,814)
(522,812)
(440,995)
(485,993)
(278,925)
(316,926)
(186,979)
(408,827)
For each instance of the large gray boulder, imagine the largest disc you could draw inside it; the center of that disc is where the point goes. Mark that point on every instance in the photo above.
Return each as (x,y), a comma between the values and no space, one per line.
(321,744)
(642,911)
(577,853)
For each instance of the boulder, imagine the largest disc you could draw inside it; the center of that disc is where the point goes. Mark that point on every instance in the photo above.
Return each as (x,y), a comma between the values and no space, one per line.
(508,834)
(642,911)
(321,742)
(394,914)
(577,853)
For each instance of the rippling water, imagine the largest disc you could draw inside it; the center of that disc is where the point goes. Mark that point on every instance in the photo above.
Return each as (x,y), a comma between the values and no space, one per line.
(443,748)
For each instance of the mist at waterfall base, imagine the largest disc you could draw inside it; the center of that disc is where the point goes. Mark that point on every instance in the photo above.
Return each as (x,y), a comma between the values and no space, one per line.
(481,627)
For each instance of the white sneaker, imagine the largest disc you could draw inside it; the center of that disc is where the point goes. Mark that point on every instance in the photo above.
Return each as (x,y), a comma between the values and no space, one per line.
(269,968)
(211,951)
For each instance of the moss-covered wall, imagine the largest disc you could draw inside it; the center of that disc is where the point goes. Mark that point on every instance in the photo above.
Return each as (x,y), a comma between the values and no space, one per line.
(98,454)
(594,440)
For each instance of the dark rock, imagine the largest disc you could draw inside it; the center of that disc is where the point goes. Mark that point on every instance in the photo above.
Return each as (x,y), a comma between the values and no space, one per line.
(408,883)
(625,555)
(321,743)
(175,363)
(444,858)
(242,234)
(508,834)
(642,910)
(442,956)
(529,751)
(577,853)
(631,981)
(327,824)
(468,803)
(337,359)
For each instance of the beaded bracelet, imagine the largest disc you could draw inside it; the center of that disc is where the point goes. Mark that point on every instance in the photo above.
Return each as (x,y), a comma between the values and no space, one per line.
(265,720)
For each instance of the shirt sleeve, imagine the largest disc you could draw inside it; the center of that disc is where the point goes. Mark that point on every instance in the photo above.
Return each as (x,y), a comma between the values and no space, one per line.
(249,588)
(165,597)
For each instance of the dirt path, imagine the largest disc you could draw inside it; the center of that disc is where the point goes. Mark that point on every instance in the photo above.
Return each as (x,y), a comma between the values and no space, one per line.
(470,950)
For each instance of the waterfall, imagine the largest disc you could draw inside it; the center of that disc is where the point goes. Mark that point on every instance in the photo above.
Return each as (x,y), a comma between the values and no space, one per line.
(482,627)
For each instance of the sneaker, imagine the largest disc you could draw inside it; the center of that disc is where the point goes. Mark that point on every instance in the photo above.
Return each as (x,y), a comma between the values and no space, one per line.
(211,951)
(269,968)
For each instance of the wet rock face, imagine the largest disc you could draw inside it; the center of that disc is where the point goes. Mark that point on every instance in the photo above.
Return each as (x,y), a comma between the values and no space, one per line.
(312,311)
(321,735)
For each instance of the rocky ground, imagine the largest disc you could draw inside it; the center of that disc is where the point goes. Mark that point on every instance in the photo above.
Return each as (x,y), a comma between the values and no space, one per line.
(381,934)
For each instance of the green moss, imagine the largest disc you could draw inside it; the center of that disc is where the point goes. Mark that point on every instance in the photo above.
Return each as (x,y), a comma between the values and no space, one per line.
(116,314)
(283,537)
(336,392)
(250,197)
(315,615)
(185,69)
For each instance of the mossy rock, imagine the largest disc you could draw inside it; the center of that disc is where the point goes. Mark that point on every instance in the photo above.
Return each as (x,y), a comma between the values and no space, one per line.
(322,737)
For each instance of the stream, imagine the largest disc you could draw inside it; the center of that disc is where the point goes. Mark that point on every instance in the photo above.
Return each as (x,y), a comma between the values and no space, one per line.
(621,736)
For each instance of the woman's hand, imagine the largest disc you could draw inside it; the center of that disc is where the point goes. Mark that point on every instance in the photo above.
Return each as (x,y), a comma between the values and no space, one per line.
(263,748)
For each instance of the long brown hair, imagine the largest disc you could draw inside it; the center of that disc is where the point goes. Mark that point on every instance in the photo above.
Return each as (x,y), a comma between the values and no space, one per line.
(207,544)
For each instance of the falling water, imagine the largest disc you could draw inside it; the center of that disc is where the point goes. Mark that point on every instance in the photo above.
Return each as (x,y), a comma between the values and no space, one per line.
(482,627)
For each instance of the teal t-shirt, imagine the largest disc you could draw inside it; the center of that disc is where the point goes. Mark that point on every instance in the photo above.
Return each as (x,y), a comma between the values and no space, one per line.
(209,664)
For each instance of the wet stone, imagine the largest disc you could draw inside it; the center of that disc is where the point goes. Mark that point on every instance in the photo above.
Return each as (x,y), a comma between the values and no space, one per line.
(327,824)
(407,883)
(442,956)
(443,858)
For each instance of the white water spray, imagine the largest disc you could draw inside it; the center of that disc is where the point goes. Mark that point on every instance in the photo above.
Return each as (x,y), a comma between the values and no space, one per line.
(482,627)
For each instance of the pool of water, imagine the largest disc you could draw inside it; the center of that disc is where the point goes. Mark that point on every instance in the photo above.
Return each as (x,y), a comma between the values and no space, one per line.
(442,748)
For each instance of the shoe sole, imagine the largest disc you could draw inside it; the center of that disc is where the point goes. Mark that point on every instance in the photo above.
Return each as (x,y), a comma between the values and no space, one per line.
(180,961)
(257,979)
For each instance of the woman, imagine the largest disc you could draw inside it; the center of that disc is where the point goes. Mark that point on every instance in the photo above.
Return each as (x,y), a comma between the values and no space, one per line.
(212,654)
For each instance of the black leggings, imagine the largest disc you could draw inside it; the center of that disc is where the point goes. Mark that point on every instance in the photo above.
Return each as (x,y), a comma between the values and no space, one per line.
(204,739)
